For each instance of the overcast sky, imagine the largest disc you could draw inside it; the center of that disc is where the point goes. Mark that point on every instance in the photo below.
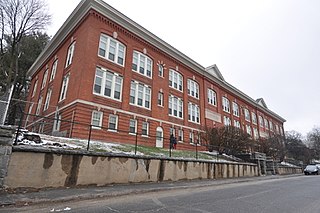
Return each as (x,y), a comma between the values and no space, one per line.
(268,49)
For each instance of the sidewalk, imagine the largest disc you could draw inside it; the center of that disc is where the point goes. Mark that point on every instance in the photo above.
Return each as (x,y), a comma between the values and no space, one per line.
(91,192)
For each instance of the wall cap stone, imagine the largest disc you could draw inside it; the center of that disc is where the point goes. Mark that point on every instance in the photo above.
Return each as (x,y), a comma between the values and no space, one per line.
(24,148)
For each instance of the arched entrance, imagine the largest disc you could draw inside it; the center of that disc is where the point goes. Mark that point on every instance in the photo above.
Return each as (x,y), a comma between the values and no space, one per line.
(159,137)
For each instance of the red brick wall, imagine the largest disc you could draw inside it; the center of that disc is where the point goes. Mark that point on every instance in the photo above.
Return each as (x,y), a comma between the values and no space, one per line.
(82,73)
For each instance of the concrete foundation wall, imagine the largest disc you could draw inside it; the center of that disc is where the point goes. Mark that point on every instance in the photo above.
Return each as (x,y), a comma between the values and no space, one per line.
(70,169)
(285,170)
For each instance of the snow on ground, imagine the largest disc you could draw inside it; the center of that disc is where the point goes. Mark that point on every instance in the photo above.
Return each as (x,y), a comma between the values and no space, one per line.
(287,164)
(70,143)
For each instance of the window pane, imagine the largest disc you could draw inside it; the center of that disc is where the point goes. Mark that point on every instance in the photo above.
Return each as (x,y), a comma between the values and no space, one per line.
(112,50)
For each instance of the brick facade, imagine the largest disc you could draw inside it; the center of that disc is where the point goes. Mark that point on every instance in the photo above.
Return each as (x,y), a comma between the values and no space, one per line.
(81,99)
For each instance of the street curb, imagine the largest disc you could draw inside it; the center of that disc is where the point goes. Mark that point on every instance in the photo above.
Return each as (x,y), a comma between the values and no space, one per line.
(32,198)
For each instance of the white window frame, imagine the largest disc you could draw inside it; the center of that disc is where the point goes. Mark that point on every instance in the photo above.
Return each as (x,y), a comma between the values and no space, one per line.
(135,126)
(64,87)
(96,119)
(112,116)
(191,137)
(172,131)
(116,84)
(193,88)
(237,124)
(160,70)
(193,113)
(225,104)
(160,99)
(145,129)
(270,125)
(212,97)
(44,80)
(226,121)
(139,91)
(175,80)
(57,124)
(235,109)
(70,54)
(180,135)
(255,133)
(48,97)
(249,130)
(53,70)
(142,64)
(39,105)
(175,104)
(114,47)
(35,88)
(247,115)
(266,123)
(261,121)
(29,112)
(254,118)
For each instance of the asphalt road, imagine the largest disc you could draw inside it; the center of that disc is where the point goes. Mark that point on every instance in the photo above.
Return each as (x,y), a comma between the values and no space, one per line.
(295,194)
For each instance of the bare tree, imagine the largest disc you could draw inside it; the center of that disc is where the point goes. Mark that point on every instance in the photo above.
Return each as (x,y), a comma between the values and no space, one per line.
(18,18)
(314,140)
(227,139)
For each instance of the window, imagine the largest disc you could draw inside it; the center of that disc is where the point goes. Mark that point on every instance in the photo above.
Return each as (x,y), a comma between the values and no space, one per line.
(142,64)
(193,113)
(191,137)
(47,102)
(44,81)
(64,87)
(70,54)
(261,121)
(212,97)
(247,115)
(35,88)
(175,107)
(29,112)
(96,119)
(172,131)
(113,122)
(249,130)
(255,133)
(277,128)
(57,123)
(235,109)
(39,105)
(112,50)
(225,104)
(266,123)
(53,70)
(107,84)
(160,99)
(140,95)
(271,125)
(145,129)
(160,70)
(254,118)
(41,127)
(237,124)
(180,135)
(175,80)
(226,121)
(133,126)
(193,88)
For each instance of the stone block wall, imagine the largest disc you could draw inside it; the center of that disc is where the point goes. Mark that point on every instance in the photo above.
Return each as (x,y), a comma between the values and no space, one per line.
(6,141)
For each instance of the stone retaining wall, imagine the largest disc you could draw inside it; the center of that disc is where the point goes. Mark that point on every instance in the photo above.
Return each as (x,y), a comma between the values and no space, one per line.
(61,168)
(6,141)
